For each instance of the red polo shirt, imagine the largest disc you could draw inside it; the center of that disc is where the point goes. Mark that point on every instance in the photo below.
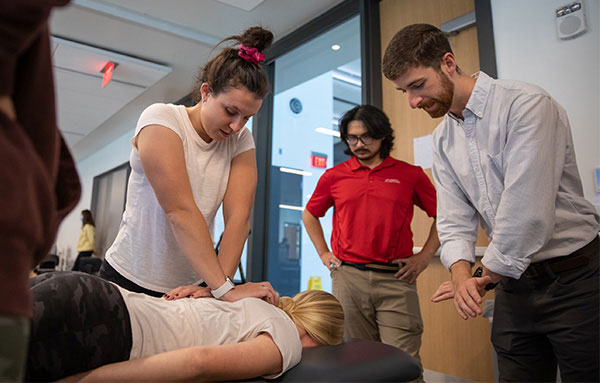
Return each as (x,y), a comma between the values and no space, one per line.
(373,208)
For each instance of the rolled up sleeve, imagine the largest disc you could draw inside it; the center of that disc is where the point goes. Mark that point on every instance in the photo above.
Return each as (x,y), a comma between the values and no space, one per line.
(456,218)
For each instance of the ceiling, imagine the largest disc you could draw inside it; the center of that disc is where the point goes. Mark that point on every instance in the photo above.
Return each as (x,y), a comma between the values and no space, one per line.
(158,45)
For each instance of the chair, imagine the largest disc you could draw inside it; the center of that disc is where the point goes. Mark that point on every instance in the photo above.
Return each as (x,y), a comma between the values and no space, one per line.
(47,265)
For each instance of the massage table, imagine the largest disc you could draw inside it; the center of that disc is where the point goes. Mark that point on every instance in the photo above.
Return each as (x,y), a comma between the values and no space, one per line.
(355,360)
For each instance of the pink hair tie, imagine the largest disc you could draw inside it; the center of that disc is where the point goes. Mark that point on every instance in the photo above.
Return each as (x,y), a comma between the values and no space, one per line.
(251,54)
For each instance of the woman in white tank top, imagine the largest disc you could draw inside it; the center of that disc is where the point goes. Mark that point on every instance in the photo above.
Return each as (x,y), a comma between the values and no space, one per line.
(186,162)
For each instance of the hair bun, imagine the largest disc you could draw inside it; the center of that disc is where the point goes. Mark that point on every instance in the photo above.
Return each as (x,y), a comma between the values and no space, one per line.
(256,37)
(287,304)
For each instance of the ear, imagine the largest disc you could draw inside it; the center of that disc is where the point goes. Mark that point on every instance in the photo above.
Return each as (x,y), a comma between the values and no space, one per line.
(448,64)
(205,91)
(305,339)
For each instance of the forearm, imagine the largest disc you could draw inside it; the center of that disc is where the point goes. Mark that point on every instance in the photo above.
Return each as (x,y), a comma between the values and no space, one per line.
(460,271)
(192,236)
(315,232)
(255,357)
(235,235)
(165,367)
(432,244)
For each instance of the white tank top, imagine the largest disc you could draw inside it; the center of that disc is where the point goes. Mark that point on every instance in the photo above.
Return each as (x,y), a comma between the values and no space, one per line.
(145,250)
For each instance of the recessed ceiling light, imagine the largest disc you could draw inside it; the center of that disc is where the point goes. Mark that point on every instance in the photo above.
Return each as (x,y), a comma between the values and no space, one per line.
(336,47)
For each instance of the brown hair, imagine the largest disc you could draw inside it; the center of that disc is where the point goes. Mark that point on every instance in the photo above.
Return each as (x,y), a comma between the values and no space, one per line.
(228,70)
(87,218)
(317,312)
(413,46)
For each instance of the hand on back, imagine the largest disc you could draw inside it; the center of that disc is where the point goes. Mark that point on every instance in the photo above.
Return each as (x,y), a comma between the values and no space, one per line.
(262,290)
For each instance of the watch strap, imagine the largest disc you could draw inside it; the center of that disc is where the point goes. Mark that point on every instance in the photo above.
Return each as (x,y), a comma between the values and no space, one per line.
(223,289)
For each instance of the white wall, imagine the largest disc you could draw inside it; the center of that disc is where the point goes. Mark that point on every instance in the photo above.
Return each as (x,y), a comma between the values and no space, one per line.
(528,49)
(109,157)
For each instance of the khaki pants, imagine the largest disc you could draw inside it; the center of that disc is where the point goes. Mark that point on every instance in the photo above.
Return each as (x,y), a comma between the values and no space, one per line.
(379,307)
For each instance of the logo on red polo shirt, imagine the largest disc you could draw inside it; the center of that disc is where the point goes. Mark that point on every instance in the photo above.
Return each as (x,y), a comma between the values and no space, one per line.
(392,180)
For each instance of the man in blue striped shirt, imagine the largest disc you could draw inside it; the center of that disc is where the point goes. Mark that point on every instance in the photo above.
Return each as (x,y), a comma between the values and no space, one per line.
(504,159)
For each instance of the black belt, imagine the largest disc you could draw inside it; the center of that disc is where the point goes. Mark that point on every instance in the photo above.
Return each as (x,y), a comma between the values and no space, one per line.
(376,266)
(558,265)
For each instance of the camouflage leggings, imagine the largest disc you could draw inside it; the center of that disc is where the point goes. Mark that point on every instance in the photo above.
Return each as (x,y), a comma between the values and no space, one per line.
(80,322)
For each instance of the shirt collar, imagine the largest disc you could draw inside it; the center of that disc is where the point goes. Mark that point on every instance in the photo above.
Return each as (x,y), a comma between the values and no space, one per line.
(355,165)
(479,95)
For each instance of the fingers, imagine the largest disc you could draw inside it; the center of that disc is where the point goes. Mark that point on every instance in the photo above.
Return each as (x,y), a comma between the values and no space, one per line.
(459,309)
(409,272)
(483,281)
(262,290)
(444,291)
(203,292)
(176,293)
(269,293)
(442,297)
(467,299)
(187,291)
(331,261)
(464,306)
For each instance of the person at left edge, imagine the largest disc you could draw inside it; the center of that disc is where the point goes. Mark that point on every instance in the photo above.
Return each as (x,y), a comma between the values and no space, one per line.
(373,268)
(39,184)
(186,162)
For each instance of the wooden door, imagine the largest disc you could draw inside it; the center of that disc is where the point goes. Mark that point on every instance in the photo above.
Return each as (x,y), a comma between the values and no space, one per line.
(450,345)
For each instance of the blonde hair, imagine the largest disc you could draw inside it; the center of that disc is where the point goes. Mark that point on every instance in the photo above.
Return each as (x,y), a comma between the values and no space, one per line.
(317,312)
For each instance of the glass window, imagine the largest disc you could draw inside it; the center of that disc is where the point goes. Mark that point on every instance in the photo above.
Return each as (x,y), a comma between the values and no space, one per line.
(315,84)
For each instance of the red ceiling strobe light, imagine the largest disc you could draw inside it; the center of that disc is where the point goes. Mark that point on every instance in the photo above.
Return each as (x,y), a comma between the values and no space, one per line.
(107,73)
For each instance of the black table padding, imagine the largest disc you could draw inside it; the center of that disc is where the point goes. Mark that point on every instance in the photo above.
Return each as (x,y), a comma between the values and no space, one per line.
(354,360)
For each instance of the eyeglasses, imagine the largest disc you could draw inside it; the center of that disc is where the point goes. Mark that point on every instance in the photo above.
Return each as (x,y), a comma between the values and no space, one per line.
(364,138)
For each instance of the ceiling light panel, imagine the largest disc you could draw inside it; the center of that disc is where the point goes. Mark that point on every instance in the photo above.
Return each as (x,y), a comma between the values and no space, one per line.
(82,105)
(246,5)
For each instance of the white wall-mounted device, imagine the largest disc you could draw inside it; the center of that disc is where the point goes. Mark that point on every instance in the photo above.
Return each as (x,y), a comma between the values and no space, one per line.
(570,21)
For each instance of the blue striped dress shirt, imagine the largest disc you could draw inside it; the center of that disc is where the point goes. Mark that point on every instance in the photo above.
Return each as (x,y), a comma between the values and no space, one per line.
(509,166)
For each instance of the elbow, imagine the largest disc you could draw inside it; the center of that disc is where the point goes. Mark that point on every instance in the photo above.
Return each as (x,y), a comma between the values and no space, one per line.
(307,216)
(178,216)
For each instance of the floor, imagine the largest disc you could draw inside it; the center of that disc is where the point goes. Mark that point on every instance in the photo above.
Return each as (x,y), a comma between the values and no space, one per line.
(437,377)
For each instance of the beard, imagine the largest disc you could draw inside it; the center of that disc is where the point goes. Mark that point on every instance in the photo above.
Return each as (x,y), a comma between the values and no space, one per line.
(443,101)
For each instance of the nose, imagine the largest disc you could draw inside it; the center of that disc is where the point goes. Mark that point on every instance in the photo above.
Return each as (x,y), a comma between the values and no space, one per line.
(414,100)
(237,124)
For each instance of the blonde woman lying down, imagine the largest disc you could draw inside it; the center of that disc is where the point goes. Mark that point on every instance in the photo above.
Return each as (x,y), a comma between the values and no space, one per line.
(87,329)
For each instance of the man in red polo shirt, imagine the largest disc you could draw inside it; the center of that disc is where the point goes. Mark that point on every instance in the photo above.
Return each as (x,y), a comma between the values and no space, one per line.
(372,265)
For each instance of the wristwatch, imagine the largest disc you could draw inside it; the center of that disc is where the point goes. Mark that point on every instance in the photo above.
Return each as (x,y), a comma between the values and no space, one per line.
(223,289)
(478,273)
